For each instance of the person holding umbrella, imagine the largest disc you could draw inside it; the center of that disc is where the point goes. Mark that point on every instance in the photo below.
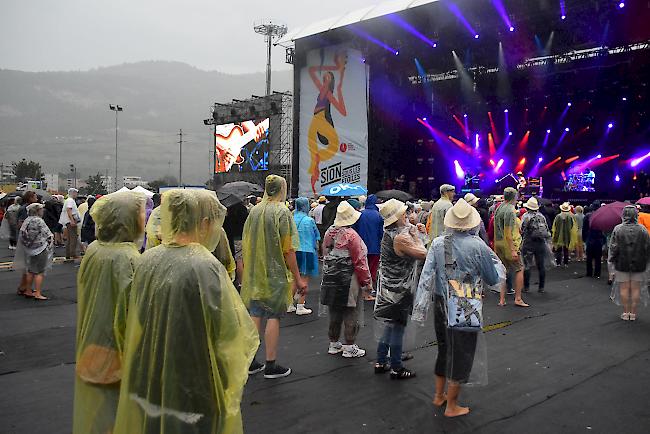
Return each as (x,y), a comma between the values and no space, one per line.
(629,254)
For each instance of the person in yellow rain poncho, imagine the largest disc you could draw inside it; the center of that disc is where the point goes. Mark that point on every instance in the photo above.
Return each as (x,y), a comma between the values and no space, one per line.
(189,338)
(103,287)
(154,236)
(269,244)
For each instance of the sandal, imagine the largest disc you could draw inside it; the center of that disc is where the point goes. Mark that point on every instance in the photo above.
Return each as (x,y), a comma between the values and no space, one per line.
(29,294)
(444,400)
(401,374)
(521,304)
(502,304)
(40,297)
(632,317)
(21,291)
(625,316)
(381,368)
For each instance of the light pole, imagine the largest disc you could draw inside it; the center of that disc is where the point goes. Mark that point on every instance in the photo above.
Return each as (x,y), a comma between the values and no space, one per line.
(73,170)
(271,32)
(116,108)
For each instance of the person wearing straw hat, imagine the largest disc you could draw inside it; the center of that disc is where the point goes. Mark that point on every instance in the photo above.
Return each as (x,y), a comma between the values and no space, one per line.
(458,256)
(535,236)
(507,245)
(435,223)
(562,228)
(345,275)
(401,248)
(471,199)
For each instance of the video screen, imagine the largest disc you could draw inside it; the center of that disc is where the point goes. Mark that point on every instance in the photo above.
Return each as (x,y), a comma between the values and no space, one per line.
(242,147)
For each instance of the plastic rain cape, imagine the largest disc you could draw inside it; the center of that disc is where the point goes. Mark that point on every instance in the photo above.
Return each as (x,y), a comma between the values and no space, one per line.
(189,338)
(103,288)
(153,229)
(269,233)
(458,344)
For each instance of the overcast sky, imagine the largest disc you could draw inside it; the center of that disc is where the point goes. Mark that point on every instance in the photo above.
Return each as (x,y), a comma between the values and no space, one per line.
(49,35)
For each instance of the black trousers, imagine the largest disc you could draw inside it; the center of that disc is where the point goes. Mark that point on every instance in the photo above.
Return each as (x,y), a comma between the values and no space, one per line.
(559,252)
(538,251)
(456,348)
(594,260)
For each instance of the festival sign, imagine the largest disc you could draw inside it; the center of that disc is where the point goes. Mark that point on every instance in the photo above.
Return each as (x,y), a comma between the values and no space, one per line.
(333,120)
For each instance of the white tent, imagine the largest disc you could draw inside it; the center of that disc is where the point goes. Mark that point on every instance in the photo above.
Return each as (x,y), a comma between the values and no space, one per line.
(142,190)
(123,189)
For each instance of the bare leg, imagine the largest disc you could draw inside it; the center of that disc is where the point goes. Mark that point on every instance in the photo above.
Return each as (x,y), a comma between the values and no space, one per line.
(239,270)
(302,297)
(23,283)
(271,338)
(28,278)
(635,295)
(625,296)
(518,283)
(502,295)
(453,409)
(38,283)
(440,397)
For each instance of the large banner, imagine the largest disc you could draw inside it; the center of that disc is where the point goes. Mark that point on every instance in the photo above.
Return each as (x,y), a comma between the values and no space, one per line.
(333,119)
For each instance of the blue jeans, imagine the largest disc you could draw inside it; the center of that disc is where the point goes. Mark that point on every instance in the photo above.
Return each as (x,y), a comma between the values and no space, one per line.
(391,340)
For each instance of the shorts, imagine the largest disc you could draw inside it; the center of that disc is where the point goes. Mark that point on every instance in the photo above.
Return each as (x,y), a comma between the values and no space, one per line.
(258,310)
(307,263)
(626,276)
(238,250)
(512,266)
(38,264)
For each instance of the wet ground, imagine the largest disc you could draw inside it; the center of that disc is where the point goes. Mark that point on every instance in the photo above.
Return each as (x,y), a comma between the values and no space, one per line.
(568,364)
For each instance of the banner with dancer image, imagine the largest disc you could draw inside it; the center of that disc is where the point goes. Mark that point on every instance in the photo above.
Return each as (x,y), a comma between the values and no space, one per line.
(333,119)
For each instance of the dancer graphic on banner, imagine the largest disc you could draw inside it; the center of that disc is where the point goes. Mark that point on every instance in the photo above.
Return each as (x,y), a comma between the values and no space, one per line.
(321,128)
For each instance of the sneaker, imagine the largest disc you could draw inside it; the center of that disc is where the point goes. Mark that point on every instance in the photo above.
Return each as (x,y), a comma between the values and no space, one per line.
(353,351)
(511,291)
(255,367)
(291,308)
(276,371)
(12,247)
(335,348)
(302,310)
(401,374)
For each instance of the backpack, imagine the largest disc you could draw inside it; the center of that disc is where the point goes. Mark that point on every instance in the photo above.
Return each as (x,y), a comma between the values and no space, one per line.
(537,229)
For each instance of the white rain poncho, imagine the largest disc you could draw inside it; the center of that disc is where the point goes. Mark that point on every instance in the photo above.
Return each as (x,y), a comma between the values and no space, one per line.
(474,266)
(34,248)
(103,289)
(189,338)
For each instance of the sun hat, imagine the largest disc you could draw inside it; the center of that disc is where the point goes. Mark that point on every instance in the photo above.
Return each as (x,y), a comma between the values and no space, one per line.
(322,199)
(34,208)
(471,199)
(462,216)
(565,207)
(532,204)
(444,188)
(391,211)
(346,215)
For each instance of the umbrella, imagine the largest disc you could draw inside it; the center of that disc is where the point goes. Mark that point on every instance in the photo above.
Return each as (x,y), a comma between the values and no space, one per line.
(607,217)
(394,194)
(234,192)
(344,190)
(644,201)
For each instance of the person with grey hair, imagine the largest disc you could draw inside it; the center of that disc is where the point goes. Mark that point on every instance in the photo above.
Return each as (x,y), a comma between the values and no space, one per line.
(34,251)
(629,254)
(70,220)
(435,222)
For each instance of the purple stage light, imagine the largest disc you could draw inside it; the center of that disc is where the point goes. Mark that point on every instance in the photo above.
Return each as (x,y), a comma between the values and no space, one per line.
(424,119)
(563,17)
(567,129)
(621,5)
(396,53)
(510,133)
(548,131)
(459,170)
(369,37)
(568,104)
(465,115)
(624,99)
(456,11)
(540,159)
(617,178)
(476,36)
(501,9)
(639,160)
(511,28)
(599,156)
(610,125)
(476,139)
(412,30)
(499,164)
(505,111)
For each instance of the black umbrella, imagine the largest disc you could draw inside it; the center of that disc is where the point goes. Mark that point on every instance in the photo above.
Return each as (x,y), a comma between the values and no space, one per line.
(234,192)
(385,195)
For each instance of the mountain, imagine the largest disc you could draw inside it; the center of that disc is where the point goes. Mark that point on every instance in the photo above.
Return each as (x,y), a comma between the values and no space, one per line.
(62,118)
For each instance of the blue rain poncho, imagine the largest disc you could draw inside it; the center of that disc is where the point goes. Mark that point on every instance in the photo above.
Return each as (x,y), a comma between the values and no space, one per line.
(189,338)
(103,288)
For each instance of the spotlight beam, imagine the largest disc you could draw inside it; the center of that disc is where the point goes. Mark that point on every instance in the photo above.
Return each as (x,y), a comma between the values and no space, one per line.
(412,30)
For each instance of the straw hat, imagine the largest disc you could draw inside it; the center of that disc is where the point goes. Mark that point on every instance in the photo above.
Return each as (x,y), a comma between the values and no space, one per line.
(566,207)
(391,211)
(444,188)
(462,216)
(532,204)
(322,199)
(346,215)
(471,199)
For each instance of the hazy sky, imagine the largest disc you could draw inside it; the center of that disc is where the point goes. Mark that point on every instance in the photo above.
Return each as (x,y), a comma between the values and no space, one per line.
(48,35)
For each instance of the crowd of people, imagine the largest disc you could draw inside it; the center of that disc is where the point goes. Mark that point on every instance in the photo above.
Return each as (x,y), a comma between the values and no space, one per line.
(176,292)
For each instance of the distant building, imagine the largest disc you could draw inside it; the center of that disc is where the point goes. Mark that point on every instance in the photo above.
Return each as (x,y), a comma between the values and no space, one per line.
(134,181)
(109,183)
(51,182)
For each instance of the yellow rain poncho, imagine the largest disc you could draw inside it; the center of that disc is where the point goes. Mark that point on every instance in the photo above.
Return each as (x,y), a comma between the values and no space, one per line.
(224,254)
(189,339)
(153,229)
(269,233)
(103,287)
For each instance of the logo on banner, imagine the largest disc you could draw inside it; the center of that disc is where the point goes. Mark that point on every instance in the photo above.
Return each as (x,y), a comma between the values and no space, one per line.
(336,173)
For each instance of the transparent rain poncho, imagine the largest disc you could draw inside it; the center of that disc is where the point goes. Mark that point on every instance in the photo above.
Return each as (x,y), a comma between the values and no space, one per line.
(103,288)
(269,234)
(154,235)
(473,261)
(189,338)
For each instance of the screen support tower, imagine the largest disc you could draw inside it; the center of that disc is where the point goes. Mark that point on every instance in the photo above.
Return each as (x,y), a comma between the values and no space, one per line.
(271,32)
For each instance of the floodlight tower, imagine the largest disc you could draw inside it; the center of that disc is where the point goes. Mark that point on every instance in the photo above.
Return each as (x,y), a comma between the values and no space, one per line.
(271,32)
